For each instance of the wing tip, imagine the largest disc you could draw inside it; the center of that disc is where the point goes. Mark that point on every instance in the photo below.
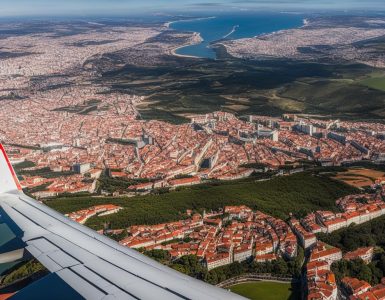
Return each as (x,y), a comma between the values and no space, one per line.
(9,173)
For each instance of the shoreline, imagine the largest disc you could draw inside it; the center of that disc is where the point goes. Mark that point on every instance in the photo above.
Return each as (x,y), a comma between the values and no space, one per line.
(195,35)
(305,23)
(167,24)
(231,32)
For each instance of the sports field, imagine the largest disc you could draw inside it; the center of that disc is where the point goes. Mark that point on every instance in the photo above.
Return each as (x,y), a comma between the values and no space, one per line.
(264,290)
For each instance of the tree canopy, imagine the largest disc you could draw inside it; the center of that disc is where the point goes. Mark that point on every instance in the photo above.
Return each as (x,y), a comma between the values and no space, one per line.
(299,193)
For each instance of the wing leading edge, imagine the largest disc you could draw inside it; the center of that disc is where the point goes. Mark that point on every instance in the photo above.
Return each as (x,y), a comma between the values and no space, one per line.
(8,178)
(93,265)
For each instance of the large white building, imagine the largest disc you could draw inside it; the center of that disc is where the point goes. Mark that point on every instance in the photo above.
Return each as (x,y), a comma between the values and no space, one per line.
(218,260)
(243,253)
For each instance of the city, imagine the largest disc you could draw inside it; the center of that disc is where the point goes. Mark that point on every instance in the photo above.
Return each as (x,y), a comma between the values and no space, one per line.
(192,150)
(213,146)
(237,234)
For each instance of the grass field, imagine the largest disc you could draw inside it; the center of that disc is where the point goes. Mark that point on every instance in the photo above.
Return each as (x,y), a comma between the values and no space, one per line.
(377,83)
(359,177)
(299,193)
(267,291)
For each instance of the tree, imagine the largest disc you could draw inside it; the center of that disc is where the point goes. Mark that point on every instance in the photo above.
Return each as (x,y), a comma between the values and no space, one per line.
(180,268)
(377,273)
(357,269)
(212,277)
(190,265)
(368,234)
(365,273)
(159,255)
(235,269)
(295,266)
(280,267)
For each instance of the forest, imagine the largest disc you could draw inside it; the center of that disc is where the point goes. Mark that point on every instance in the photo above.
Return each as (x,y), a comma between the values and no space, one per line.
(347,239)
(299,193)
(372,272)
(371,233)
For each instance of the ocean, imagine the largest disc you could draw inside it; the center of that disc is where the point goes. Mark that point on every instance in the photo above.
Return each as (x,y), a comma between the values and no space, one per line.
(233,26)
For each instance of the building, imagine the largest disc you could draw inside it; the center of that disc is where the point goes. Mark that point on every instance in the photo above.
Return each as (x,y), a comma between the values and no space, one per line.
(269,134)
(265,257)
(360,147)
(307,239)
(81,168)
(218,260)
(334,224)
(366,254)
(82,216)
(305,128)
(184,181)
(243,252)
(355,287)
(322,251)
(263,248)
(322,286)
(337,137)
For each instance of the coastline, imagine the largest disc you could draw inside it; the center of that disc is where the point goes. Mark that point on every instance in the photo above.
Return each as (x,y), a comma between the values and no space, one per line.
(197,39)
(305,22)
(167,24)
(196,35)
(231,32)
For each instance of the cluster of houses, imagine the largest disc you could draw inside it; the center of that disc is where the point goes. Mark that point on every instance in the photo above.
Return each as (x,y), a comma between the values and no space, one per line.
(234,234)
(237,233)
(321,281)
(212,146)
(355,289)
(362,290)
(355,209)
(83,215)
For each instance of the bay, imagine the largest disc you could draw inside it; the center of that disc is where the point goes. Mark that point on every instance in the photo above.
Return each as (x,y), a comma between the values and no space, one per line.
(233,26)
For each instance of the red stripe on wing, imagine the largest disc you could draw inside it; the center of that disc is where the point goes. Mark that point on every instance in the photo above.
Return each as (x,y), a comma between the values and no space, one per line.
(11,168)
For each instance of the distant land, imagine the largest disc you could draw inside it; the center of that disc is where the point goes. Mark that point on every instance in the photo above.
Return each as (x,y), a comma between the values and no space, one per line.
(232,26)
(326,67)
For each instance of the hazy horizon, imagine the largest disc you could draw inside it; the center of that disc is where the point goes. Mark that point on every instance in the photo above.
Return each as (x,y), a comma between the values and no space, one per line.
(14,8)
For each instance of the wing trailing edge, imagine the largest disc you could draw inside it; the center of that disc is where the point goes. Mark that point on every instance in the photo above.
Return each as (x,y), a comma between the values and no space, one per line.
(8,179)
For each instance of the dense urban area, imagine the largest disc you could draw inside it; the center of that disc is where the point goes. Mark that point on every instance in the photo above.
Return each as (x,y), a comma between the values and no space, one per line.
(155,154)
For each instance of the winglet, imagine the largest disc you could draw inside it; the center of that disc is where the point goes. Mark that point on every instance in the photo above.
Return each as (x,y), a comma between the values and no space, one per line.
(8,178)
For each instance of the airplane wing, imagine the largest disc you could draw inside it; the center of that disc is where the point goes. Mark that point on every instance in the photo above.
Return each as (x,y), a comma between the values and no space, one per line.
(93,265)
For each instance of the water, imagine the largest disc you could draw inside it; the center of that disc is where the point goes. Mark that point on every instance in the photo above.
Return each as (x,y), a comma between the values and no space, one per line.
(6,237)
(234,26)
(53,288)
